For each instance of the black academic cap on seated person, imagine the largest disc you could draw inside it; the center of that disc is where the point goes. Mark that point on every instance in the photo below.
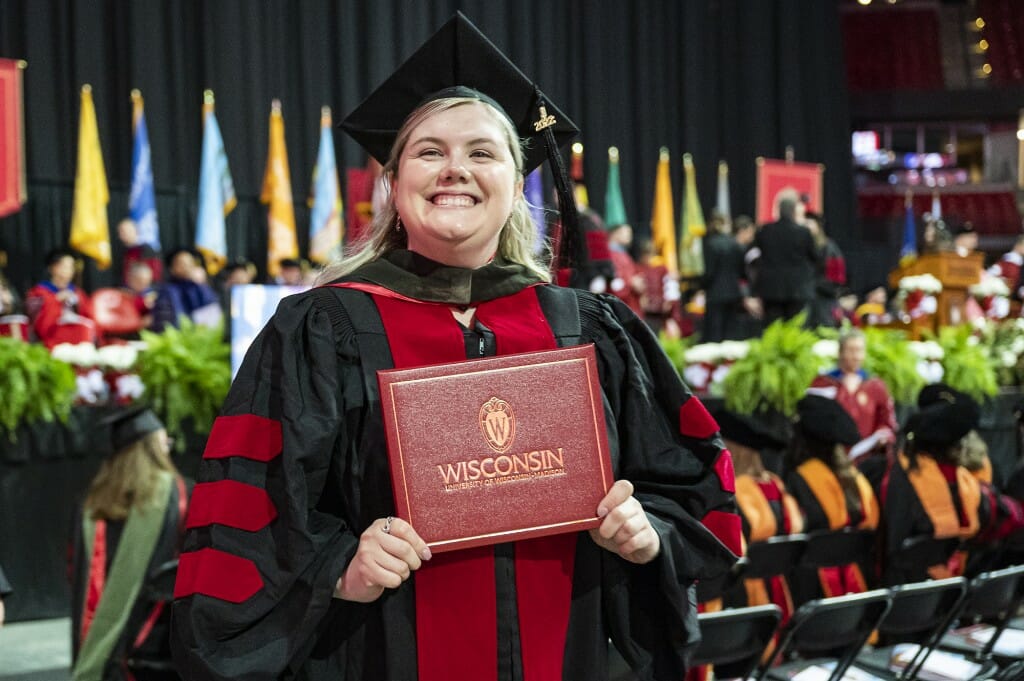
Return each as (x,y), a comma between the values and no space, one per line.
(946,415)
(130,425)
(825,420)
(460,61)
(747,430)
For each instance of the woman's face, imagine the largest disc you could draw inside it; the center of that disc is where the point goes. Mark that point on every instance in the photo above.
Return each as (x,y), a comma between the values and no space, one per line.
(455,185)
(62,271)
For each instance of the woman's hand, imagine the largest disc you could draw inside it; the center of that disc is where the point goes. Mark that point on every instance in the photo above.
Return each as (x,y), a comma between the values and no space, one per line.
(626,529)
(389,550)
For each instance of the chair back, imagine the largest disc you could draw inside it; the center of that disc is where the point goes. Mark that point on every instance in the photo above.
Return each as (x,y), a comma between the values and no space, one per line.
(831,627)
(916,554)
(710,589)
(834,548)
(921,613)
(774,556)
(734,640)
(114,311)
(995,597)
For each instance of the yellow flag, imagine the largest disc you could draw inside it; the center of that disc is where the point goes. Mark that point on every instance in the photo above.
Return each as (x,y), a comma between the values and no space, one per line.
(691,252)
(663,221)
(282,241)
(90,234)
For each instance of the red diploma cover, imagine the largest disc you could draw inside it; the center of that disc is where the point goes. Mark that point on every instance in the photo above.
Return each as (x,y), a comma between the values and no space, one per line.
(497,449)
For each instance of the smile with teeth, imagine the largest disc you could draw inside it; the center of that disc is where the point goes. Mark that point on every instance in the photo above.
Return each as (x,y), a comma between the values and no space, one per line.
(454,200)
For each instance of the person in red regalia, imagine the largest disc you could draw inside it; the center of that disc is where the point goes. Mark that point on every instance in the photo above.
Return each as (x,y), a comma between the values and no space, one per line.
(293,564)
(59,311)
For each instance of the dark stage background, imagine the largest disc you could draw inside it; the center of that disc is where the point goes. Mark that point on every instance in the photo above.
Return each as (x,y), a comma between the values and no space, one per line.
(721,79)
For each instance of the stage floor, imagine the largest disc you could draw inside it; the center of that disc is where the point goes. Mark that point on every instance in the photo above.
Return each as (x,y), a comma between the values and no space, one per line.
(39,650)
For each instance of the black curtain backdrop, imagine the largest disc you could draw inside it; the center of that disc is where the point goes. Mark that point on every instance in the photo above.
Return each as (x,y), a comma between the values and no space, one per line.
(721,79)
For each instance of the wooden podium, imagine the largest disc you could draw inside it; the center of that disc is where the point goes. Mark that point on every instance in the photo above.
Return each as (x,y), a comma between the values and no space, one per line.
(956,273)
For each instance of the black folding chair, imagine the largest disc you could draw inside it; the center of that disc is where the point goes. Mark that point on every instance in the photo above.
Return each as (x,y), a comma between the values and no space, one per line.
(829,630)
(909,562)
(921,613)
(835,548)
(734,640)
(710,589)
(992,598)
(774,556)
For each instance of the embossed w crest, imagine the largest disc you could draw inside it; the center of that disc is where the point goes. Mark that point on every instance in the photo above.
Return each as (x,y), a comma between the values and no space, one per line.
(498,424)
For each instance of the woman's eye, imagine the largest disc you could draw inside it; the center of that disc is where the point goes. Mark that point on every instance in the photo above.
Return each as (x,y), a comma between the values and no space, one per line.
(480,153)
(429,152)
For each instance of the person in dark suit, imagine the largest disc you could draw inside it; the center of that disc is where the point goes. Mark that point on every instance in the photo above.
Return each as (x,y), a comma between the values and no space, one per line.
(786,267)
(724,270)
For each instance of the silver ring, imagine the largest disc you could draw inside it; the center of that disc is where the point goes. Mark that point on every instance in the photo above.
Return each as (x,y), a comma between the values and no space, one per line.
(387,524)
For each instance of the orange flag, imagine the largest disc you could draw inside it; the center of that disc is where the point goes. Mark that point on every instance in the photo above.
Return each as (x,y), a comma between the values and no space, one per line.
(282,241)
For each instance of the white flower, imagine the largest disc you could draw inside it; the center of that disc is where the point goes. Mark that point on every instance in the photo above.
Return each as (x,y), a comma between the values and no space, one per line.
(117,357)
(827,348)
(719,374)
(927,350)
(696,376)
(130,386)
(989,286)
(81,355)
(931,372)
(1008,358)
(921,282)
(733,350)
(703,353)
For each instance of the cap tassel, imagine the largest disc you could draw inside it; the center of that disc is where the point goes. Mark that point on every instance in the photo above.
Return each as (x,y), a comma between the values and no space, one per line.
(571,253)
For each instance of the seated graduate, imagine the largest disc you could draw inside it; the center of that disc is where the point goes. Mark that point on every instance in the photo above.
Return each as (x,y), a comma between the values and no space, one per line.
(766,508)
(313,577)
(60,311)
(832,493)
(929,492)
(129,525)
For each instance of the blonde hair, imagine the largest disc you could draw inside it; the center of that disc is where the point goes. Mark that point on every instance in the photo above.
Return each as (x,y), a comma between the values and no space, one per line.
(128,479)
(517,236)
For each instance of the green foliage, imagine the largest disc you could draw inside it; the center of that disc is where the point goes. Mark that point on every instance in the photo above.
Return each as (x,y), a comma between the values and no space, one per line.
(776,371)
(1004,344)
(34,386)
(675,348)
(187,375)
(890,358)
(966,363)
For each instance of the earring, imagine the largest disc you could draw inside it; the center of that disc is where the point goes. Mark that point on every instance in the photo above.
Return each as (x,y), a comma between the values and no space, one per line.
(398,223)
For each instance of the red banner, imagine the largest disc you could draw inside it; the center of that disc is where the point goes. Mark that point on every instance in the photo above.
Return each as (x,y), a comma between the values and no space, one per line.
(358,203)
(12,138)
(776,177)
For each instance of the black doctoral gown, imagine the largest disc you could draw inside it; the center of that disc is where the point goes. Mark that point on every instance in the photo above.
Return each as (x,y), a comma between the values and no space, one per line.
(302,426)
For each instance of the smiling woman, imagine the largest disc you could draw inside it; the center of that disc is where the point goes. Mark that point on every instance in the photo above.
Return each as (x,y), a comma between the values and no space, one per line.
(316,578)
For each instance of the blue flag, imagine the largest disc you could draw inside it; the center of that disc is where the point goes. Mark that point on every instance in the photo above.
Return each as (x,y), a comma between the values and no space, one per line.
(142,201)
(325,221)
(533,191)
(216,196)
(908,252)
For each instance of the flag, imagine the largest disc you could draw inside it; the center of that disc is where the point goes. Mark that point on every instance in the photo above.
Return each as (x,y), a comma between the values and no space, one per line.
(614,208)
(142,200)
(13,192)
(908,252)
(722,200)
(89,232)
(325,217)
(663,221)
(359,203)
(579,184)
(936,206)
(216,192)
(533,191)
(692,229)
(282,241)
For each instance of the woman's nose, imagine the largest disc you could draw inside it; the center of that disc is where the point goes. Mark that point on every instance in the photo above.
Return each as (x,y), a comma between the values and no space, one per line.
(455,171)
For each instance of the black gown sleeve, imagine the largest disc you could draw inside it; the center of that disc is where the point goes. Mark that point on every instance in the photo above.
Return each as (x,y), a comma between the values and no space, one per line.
(667,445)
(255,584)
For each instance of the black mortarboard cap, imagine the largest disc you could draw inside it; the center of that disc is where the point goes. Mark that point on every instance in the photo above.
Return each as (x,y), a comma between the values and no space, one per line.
(748,430)
(130,425)
(825,420)
(946,415)
(460,61)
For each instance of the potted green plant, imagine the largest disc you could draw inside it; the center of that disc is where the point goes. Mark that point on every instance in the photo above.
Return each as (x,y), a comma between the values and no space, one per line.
(776,371)
(966,363)
(186,374)
(891,357)
(34,385)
